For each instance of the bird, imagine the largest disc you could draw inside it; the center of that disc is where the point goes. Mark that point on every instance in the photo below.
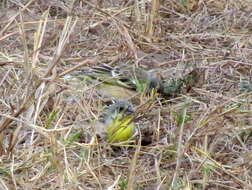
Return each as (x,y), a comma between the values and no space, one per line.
(116,123)
(120,82)
(127,82)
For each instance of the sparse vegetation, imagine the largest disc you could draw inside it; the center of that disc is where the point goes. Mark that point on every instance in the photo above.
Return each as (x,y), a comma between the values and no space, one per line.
(198,138)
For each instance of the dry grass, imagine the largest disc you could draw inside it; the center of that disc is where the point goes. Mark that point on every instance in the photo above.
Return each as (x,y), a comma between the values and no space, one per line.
(199,140)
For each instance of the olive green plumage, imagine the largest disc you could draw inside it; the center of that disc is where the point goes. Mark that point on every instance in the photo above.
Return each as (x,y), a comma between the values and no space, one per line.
(120,82)
(124,82)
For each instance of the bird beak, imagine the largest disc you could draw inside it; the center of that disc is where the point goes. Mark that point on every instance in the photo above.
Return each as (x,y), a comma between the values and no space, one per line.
(131,110)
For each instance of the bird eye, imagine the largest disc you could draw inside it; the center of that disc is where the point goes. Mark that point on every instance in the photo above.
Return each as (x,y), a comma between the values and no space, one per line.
(121,109)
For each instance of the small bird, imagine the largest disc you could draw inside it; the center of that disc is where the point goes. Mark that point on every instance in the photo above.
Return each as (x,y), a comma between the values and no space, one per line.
(117,122)
(121,82)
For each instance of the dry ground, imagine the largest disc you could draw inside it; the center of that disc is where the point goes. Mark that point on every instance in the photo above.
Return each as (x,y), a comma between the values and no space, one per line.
(46,123)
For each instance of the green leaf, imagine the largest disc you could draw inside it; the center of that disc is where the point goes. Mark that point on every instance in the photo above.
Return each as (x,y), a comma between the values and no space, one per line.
(140,87)
(75,137)
(123,183)
(178,117)
(4,172)
(183,2)
(51,118)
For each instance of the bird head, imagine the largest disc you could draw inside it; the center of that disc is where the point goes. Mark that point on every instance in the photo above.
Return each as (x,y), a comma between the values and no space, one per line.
(121,106)
(118,110)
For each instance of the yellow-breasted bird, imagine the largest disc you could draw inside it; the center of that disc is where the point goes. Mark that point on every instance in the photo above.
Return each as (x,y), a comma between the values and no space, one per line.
(117,122)
(121,82)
